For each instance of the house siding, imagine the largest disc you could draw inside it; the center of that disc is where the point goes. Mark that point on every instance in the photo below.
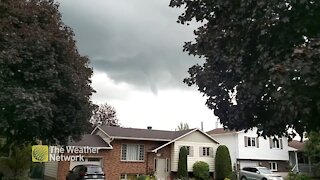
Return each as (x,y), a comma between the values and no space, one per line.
(283,166)
(50,171)
(231,141)
(263,152)
(196,140)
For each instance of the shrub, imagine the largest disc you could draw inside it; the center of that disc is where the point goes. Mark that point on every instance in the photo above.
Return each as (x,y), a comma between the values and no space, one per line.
(182,163)
(19,162)
(143,177)
(297,176)
(37,170)
(223,166)
(201,170)
(15,178)
(233,176)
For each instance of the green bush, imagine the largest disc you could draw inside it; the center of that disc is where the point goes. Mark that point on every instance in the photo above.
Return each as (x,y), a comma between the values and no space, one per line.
(233,176)
(182,163)
(15,178)
(297,176)
(201,170)
(143,177)
(223,166)
(19,162)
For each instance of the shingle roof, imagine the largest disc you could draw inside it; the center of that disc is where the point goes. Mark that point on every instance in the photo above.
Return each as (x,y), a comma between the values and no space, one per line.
(90,140)
(119,132)
(297,145)
(220,131)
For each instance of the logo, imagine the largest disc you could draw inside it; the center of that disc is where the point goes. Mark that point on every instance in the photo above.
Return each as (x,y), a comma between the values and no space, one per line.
(40,153)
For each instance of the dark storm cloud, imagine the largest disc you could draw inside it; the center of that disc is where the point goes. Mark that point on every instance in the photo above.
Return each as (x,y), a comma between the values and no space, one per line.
(133,41)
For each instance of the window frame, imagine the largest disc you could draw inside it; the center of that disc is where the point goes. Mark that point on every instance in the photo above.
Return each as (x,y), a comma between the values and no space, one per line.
(276,143)
(272,167)
(206,151)
(140,155)
(188,149)
(251,141)
(125,175)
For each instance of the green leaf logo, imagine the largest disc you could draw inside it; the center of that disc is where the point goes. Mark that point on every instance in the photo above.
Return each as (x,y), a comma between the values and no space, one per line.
(40,153)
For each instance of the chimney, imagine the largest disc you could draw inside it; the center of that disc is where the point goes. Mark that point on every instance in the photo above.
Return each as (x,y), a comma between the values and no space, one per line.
(149,127)
(217,124)
(201,125)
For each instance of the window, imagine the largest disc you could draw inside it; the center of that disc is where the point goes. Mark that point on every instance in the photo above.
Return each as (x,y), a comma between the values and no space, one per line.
(206,151)
(273,166)
(251,141)
(123,176)
(167,165)
(276,143)
(129,176)
(188,149)
(132,152)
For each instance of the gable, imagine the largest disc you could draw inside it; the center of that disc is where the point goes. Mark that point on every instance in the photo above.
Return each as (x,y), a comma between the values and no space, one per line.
(196,136)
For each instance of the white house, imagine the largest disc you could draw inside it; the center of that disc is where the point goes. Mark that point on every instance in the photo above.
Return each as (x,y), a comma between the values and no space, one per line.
(247,149)
(200,146)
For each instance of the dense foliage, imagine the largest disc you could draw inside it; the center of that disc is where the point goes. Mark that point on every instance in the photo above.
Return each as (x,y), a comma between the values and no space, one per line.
(18,163)
(223,167)
(296,176)
(183,163)
(44,82)
(201,170)
(104,114)
(312,148)
(261,62)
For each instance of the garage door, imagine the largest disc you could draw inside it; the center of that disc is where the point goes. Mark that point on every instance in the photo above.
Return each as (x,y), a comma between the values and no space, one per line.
(248,164)
(87,160)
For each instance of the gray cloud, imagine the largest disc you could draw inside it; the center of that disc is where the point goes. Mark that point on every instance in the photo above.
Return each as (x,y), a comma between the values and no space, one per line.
(133,41)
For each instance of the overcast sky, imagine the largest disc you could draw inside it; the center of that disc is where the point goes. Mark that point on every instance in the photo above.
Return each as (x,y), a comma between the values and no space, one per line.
(135,48)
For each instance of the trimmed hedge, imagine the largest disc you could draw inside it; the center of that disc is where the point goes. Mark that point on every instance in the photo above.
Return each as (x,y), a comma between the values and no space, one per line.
(223,166)
(182,163)
(201,170)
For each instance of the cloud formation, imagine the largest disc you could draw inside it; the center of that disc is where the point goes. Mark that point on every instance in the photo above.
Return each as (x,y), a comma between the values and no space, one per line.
(134,41)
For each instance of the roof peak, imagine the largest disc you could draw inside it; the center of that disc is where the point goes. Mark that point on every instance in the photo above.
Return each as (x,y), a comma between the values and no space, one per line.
(220,131)
(141,134)
(102,126)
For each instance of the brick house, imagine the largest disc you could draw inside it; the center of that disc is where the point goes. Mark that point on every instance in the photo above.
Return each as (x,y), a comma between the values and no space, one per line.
(128,152)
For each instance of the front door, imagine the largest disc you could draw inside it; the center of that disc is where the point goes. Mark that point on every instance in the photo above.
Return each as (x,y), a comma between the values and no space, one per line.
(160,169)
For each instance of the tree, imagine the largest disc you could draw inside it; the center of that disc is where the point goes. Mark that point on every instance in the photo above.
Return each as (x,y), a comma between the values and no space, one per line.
(223,166)
(183,163)
(312,148)
(261,64)
(182,126)
(104,114)
(19,162)
(44,81)
(201,170)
